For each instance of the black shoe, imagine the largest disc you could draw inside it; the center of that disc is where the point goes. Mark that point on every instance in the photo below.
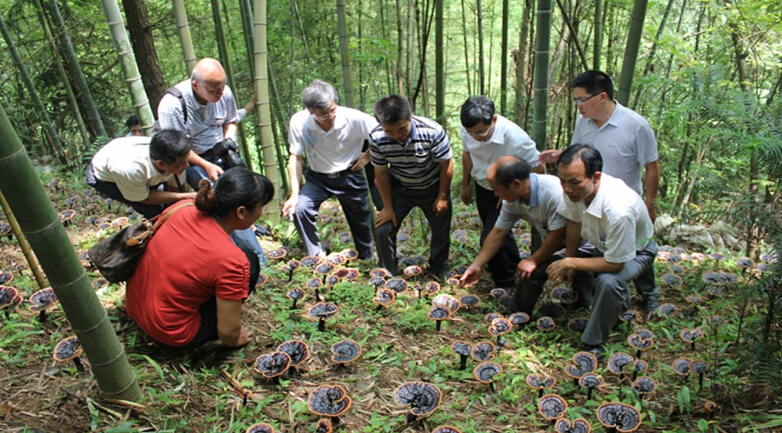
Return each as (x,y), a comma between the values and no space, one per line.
(597,350)
(651,304)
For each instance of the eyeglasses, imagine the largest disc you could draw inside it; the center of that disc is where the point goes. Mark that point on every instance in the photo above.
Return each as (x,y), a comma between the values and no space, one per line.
(580,101)
(327,114)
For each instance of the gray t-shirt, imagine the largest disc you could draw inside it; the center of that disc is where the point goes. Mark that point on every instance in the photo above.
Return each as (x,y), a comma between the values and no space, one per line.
(541,212)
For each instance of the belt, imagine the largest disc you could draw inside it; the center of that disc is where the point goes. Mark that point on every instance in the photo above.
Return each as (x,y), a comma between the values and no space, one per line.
(334,175)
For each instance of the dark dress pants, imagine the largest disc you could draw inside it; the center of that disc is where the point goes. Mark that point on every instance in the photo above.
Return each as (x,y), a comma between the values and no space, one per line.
(502,266)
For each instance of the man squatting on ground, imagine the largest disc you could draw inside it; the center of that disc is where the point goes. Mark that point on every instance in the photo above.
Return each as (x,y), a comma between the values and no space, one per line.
(332,136)
(209,119)
(413,167)
(614,219)
(487,136)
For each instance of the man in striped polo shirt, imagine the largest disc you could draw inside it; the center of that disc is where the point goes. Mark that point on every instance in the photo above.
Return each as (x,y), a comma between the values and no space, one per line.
(413,167)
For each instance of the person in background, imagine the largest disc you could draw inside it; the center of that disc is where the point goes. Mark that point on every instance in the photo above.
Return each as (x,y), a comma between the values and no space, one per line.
(487,136)
(134,126)
(413,168)
(191,281)
(145,173)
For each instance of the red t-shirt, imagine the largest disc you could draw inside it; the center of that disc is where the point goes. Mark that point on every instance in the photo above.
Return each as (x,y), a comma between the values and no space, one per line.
(189,259)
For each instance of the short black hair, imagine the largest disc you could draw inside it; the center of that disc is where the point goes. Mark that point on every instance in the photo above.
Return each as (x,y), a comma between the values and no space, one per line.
(391,109)
(169,144)
(593,161)
(511,168)
(477,109)
(132,121)
(594,82)
(236,187)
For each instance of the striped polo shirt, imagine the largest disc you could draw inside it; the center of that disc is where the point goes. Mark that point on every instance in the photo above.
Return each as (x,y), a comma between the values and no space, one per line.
(415,163)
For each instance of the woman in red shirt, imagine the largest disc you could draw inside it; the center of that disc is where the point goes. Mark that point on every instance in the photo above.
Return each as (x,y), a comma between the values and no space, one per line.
(191,281)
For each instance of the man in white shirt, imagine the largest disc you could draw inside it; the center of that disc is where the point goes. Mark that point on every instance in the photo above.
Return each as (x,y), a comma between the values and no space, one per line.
(487,136)
(609,215)
(332,137)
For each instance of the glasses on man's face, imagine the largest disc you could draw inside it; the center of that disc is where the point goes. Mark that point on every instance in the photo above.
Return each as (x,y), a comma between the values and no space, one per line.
(581,101)
(326,115)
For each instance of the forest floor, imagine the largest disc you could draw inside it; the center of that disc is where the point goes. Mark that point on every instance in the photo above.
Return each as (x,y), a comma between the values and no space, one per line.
(202,391)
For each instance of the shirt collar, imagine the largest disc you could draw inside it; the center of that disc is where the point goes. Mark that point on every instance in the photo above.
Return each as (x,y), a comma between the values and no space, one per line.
(340,121)
(596,207)
(533,189)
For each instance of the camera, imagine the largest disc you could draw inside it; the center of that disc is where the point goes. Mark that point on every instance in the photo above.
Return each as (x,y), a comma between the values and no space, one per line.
(229,153)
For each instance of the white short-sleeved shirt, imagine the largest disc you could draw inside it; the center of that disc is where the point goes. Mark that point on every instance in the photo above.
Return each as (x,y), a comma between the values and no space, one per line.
(507,139)
(125,161)
(335,150)
(616,222)
(626,142)
(541,212)
(205,123)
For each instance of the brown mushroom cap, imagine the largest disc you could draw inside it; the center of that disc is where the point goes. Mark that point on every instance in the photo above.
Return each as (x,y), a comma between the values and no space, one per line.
(272,365)
(552,406)
(447,301)
(623,417)
(276,254)
(431,288)
(341,273)
(412,271)
(329,401)
(681,366)
(397,284)
(483,351)
(585,362)
(640,365)
(43,299)
(645,333)
(297,350)
(519,318)
(324,425)
(539,381)
(353,274)
(546,324)
(439,313)
(578,324)
(324,268)
(384,297)
(67,349)
(349,254)
(446,429)
(485,371)
(699,367)
(644,385)
(667,310)
(378,272)
(345,351)
(311,262)
(7,296)
(260,428)
(262,279)
(471,301)
(500,326)
(314,283)
(336,259)
(638,342)
(462,348)
(579,425)
(6,277)
(672,280)
(323,310)
(590,380)
(491,317)
(690,336)
(422,397)
(498,293)
(296,294)
(618,361)
(628,316)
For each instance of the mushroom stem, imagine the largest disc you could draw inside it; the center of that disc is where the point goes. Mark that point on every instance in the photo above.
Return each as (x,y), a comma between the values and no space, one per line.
(321,325)
(42,316)
(438,325)
(335,420)
(244,400)
(317,294)
(411,418)
(379,307)
(700,380)
(638,354)
(293,307)
(589,393)
(79,365)
(463,363)
(491,386)
(540,393)
(692,345)
(635,375)
(290,275)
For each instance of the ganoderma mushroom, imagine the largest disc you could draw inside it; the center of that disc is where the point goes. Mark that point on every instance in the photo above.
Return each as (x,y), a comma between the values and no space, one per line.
(296,295)
(446,429)
(446,301)
(42,300)
(430,288)
(639,343)
(540,382)
(7,297)
(272,365)
(311,262)
(644,385)
(552,407)
(276,254)
(260,428)
(345,352)
(579,425)
(628,316)
(6,277)
(353,274)
(335,259)
(519,319)
(262,279)
(378,273)
(710,407)
(349,254)
(639,366)
(500,327)
(578,324)
(297,350)
(718,390)
(324,425)
(498,293)
(315,284)
(324,269)
(667,310)
(470,301)
(699,367)
(491,316)
(585,362)
(691,336)
(69,349)
(483,351)
(384,298)
(672,280)
(329,401)
(619,417)
(485,371)
(463,349)
(546,324)
(322,311)
(397,284)
(423,398)
(681,367)
(590,381)
(291,266)
(453,281)
(412,271)
(438,315)
(617,362)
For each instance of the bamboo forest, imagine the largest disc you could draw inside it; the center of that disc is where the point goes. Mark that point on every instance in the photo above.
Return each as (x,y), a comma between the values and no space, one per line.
(379,301)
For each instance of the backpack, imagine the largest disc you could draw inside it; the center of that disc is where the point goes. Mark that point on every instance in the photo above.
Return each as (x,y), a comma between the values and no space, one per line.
(173,91)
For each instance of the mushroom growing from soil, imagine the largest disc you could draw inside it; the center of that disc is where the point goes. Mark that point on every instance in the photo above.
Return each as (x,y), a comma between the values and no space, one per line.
(260,428)
(470,301)
(691,336)
(485,371)
(498,293)
(667,310)
(430,288)
(412,271)
(699,367)
(291,267)
(6,277)
(296,295)
(324,425)
(42,300)
(7,297)
(710,407)
(639,366)
(491,317)
(546,324)
(644,385)
(439,314)
(453,281)
(329,401)
(384,298)
(324,269)
(590,381)
(617,362)
(446,429)
(552,407)
(69,349)
(66,216)
(619,417)
(447,301)
(628,316)
(672,280)
(321,312)
(397,284)
(272,365)
(345,352)
(578,324)
(378,273)
(423,398)
(297,350)
(315,284)
(540,382)
(349,254)
(519,319)
(585,362)
(310,262)
(682,367)
(718,390)
(579,425)
(335,259)
(500,327)
(353,274)
(639,343)
(483,351)
(276,254)
(463,349)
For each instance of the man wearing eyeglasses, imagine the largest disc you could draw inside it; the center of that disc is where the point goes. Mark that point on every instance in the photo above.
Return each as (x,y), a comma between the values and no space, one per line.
(332,137)
(486,137)
(626,142)
(413,168)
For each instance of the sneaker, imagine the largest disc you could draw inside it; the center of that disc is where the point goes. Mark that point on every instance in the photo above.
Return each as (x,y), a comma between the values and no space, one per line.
(651,303)
(597,350)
